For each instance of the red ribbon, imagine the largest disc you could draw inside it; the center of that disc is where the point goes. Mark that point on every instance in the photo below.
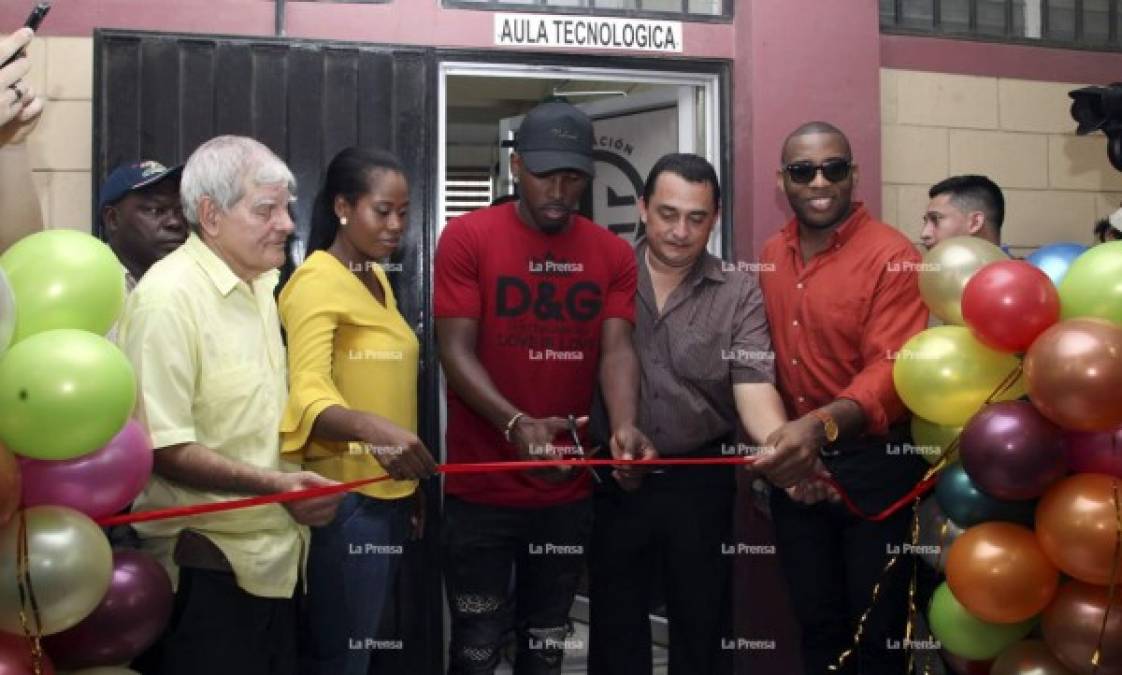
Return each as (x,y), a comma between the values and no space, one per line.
(492,467)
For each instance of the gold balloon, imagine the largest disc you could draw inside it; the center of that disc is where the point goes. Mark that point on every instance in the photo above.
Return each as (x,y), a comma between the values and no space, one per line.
(947,268)
(9,485)
(932,439)
(945,375)
(1031,657)
(70,564)
(1077,526)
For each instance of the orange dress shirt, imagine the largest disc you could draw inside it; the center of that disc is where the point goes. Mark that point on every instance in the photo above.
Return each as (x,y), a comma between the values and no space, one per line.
(838,320)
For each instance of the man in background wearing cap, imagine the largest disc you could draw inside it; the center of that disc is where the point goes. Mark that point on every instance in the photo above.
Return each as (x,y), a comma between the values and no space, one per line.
(141,218)
(534,308)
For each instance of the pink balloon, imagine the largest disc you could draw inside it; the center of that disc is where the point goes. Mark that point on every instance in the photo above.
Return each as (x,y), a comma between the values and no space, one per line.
(98,484)
(132,615)
(1095,452)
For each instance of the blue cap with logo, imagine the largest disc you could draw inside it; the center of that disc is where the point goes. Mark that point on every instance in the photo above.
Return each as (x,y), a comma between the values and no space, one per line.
(134,176)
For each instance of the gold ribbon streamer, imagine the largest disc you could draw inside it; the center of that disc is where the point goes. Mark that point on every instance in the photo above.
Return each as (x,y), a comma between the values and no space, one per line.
(1096,657)
(941,463)
(27,596)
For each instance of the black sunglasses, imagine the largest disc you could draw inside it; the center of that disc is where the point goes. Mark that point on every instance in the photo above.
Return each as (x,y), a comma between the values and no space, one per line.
(834,170)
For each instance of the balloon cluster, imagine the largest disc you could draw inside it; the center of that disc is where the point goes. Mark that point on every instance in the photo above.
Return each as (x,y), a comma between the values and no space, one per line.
(1029,489)
(68,455)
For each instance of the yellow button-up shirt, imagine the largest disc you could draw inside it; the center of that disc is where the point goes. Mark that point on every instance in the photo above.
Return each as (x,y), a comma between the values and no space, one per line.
(347,349)
(211,370)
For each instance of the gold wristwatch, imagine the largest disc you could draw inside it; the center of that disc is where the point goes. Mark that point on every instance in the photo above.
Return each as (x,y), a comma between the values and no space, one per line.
(828,422)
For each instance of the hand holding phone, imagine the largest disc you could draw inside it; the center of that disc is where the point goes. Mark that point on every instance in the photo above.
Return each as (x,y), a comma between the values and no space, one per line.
(38,13)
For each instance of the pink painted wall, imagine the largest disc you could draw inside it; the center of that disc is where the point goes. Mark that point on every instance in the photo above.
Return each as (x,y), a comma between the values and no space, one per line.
(801,60)
(424,23)
(1023,62)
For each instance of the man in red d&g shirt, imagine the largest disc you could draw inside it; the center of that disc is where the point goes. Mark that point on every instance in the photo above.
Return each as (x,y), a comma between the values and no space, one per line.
(842,297)
(534,308)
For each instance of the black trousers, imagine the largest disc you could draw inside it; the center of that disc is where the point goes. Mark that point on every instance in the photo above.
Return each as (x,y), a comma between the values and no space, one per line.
(514,571)
(684,531)
(832,559)
(217,628)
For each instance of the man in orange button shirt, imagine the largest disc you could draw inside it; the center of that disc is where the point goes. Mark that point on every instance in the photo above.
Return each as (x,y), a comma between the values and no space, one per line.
(842,297)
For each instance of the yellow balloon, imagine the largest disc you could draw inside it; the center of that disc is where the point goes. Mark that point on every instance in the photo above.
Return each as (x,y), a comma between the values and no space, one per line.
(946,269)
(945,375)
(932,439)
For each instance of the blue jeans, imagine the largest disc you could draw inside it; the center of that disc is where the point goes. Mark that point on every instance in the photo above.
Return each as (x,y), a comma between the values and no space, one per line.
(352,564)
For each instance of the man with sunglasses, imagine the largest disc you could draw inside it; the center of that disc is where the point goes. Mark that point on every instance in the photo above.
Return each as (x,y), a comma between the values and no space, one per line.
(842,298)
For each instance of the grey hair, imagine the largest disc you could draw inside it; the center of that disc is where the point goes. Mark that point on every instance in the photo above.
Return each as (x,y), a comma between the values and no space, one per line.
(218,168)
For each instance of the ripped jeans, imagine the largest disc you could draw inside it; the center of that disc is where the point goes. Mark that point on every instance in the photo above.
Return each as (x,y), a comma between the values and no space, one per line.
(507,571)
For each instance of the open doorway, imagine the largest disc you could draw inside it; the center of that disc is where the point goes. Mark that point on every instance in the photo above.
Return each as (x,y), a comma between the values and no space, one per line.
(638,115)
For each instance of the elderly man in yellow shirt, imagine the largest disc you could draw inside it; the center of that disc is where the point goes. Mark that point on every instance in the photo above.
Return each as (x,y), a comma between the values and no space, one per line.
(202,332)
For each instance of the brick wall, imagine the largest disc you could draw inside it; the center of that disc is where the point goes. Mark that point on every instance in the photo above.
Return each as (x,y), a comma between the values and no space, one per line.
(61,146)
(1018,132)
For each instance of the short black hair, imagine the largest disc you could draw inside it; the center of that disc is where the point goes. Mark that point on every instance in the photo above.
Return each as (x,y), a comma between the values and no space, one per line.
(1103,228)
(973,193)
(693,168)
(815,127)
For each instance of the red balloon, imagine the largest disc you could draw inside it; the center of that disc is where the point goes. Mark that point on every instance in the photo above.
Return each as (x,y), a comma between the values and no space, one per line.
(1095,452)
(129,619)
(1011,451)
(1008,303)
(15,656)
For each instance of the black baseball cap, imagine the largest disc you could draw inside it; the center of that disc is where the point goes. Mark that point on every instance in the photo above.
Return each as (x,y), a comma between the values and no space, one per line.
(555,136)
(134,176)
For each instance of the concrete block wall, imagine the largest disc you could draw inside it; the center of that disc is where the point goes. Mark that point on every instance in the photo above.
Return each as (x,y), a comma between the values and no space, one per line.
(61,146)
(1018,132)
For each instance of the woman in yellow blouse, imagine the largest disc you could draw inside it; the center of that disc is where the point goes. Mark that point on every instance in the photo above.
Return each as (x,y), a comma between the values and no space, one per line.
(352,409)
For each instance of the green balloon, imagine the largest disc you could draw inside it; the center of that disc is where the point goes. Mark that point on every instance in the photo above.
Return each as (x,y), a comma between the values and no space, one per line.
(1093,284)
(63,393)
(64,279)
(963,634)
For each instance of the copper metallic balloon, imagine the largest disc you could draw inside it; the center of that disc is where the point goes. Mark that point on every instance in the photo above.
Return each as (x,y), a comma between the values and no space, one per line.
(9,485)
(1072,624)
(1031,657)
(947,268)
(1077,526)
(70,565)
(1074,373)
(999,574)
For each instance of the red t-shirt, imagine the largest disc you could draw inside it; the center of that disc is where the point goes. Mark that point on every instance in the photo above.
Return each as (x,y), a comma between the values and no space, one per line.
(540,301)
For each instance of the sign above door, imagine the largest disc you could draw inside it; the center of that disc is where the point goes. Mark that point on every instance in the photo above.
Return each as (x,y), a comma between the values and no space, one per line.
(550,31)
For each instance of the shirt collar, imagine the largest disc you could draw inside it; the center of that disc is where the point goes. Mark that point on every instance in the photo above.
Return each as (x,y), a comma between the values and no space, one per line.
(219,272)
(707,265)
(843,233)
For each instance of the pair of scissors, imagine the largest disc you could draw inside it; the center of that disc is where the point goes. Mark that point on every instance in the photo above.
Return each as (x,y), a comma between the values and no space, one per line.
(579,449)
